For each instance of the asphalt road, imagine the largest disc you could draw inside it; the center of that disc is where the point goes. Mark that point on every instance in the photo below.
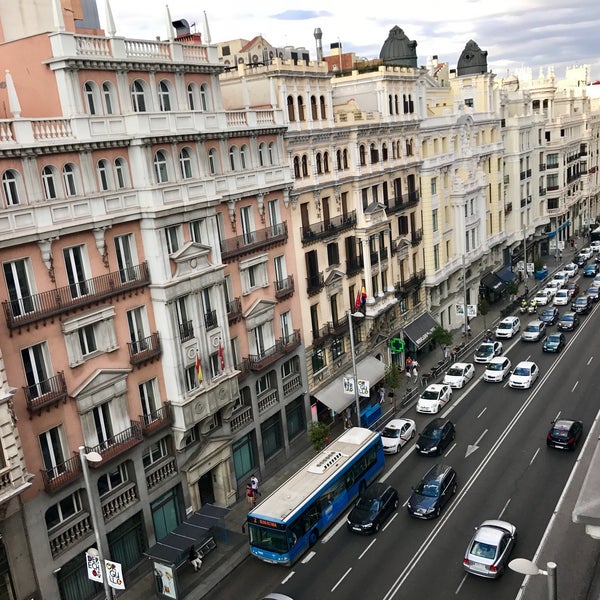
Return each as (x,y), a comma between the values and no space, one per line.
(504,471)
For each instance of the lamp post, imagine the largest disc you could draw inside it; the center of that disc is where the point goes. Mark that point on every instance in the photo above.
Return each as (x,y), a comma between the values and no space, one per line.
(94,457)
(525,274)
(357,315)
(465,311)
(527,567)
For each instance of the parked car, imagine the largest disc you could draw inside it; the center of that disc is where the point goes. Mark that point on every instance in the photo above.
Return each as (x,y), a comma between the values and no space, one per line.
(593,292)
(562,298)
(590,270)
(534,331)
(372,508)
(550,315)
(564,434)
(524,375)
(435,437)
(432,492)
(487,351)
(508,327)
(582,305)
(489,549)
(568,322)
(497,369)
(571,269)
(459,374)
(543,297)
(554,342)
(396,434)
(433,397)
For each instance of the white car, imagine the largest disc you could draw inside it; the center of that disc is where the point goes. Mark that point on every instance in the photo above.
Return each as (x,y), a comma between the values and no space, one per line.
(571,269)
(595,246)
(487,351)
(497,369)
(561,276)
(524,375)
(555,284)
(534,331)
(587,253)
(551,290)
(433,398)
(459,374)
(508,327)
(562,298)
(396,434)
(543,297)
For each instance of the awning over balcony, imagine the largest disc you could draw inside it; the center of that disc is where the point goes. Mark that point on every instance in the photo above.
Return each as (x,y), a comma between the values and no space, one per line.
(493,283)
(506,274)
(420,330)
(173,549)
(333,396)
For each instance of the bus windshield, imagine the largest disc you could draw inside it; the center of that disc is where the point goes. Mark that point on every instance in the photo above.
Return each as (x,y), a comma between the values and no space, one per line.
(272,540)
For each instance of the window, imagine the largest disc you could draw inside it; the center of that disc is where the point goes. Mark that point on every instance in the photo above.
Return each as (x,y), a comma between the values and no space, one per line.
(10,187)
(138,96)
(434,219)
(69,180)
(103,175)
(254,276)
(290,367)
(247,221)
(164,96)
(89,90)
(107,96)
(63,510)
(160,167)
(36,364)
(272,435)
(272,153)
(262,148)
(362,156)
(52,448)
(244,157)
(75,263)
(233,158)
(198,231)
(261,338)
(121,173)
(205,103)
(173,236)
(87,340)
(125,251)
(191,378)
(433,186)
(280,271)
(112,480)
(212,161)
(295,416)
(18,277)
(155,453)
(49,182)
(185,163)
(149,399)
(337,348)
(191,96)
(186,327)
(103,424)
(436,257)
(333,254)
(138,327)
(89,334)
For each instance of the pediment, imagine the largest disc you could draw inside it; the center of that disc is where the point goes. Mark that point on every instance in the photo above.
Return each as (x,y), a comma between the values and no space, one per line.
(375,208)
(334,277)
(190,258)
(260,312)
(100,380)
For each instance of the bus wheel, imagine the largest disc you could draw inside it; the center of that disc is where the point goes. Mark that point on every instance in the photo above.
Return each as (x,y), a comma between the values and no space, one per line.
(314,536)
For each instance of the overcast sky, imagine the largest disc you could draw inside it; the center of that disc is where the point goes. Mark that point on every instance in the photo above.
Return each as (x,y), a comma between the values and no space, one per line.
(515,33)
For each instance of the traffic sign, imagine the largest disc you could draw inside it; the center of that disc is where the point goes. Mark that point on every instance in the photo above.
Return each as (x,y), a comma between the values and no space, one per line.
(396,345)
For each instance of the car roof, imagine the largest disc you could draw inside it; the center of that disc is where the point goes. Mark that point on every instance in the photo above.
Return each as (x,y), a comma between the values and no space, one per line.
(508,319)
(497,359)
(435,424)
(563,424)
(437,472)
(568,314)
(536,322)
(525,363)
(397,423)
(435,387)
(462,365)
(490,533)
(375,490)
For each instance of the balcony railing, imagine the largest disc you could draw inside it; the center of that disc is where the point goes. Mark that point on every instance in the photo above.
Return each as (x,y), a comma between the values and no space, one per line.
(338,327)
(254,240)
(542,167)
(141,351)
(157,473)
(315,283)
(402,202)
(508,207)
(156,420)
(542,191)
(321,335)
(186,331)
(410,285)
(416,237)
(284,287)
(293,383)
(58,477)
(31,309)
(243,368)
(119,502)
(69,535)
(354,265)
(47,392)
(325,229)
(234,310)
(268,399)
(240,418)
(210,319)
(282,346)
(117,444)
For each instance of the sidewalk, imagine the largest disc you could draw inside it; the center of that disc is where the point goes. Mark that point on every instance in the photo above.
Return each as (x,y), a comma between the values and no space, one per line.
(232,544)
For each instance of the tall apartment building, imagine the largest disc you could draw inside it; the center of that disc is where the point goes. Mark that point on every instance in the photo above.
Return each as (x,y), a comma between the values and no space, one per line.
(148,274)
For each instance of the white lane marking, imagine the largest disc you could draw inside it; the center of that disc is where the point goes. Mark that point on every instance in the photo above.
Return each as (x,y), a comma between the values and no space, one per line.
(557,415)
(450,449)
(534,457)
(481,413)
(288,577)
(341,579)
(589,362)
(460,585)
(480,437)
(575,386)
(308,557)
(335,528)
(366,549)
(390,521)
(504,509)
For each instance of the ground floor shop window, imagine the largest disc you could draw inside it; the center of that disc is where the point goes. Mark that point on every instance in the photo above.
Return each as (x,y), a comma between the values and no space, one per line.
(244,459)
(295,417)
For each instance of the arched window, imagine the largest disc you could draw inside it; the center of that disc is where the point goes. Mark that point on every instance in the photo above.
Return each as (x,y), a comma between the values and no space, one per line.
(10,187)
(323,109)
(301,116)
(138,96)
(272,153)
(296,167)
(233,158)
(290,109)
(384,152)
(205,103)
(390,104)
(396,104)
(103,175)
(338,156)
(319,165)
(313,108)
(212,161)
(409,148)
(304,165)
(121,173)
(191,96)
(108,98)
(68,173)
(374,151)
(345,158)
(185,163)
(262,154)
(244,156)
(49,182)
(326,162)
(161,167)
(362,155)
(91,93)
(164,96)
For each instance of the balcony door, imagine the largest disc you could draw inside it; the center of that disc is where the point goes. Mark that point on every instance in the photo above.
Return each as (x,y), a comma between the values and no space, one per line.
(19,287)
(126,257)
(52,451)
(247,219)
(138,330)
(103,424)
(36,368)
(76,271)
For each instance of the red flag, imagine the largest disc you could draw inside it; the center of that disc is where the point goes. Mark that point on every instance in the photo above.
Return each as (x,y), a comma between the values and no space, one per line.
(221,357)
(198,368)
(358,302)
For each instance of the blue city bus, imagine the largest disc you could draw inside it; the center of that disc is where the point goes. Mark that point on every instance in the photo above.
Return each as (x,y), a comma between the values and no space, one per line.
(292,518)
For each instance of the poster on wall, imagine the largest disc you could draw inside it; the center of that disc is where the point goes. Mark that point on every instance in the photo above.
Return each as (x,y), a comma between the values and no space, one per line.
(165,582)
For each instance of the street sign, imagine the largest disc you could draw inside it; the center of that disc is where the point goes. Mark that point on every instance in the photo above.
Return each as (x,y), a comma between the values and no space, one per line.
(396,345)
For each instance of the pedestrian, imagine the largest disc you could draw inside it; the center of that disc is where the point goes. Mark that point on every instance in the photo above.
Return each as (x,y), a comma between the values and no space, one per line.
(415,365)
(254,484)
(348,418)
(250,494)
(446,352)
(194,558)
(415,374)
(408,377)
(409,362)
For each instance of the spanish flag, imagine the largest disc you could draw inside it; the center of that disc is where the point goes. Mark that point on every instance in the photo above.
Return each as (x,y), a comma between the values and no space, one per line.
(198,368)
(363,296)
(221,357)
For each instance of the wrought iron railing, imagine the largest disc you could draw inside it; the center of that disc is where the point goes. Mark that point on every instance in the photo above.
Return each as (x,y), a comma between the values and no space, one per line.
(234,310)
(61,475)
(281,347)
(324,229)
(145,349)
(52,390)
(254,240)
(157,419)
(186,331)
(117,444)
(284,287)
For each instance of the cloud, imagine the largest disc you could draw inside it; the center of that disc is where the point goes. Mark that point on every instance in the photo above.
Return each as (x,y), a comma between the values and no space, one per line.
(301,15)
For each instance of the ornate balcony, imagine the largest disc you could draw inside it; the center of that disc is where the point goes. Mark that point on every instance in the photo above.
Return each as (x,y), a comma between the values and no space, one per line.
(243,368)
(406,287)
(338,327)
(210,319)
(45,393)
(240,418)
(156,420)
(266,400)
(321,334)
(416,237)
(186,331)
(403,202)
(315,283)
(69,535)
(324,229)
(31,309)
(254,240)
(117,444)
(282,346)
(292,383)
(284,288)
(234,310)
(58,477)
(157,473)
(144,350)
(119,502)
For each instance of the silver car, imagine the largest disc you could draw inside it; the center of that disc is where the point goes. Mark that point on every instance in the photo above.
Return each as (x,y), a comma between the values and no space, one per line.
(489,550)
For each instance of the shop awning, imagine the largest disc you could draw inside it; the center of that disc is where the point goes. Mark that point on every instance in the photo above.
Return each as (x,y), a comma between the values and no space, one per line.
(493,283)
(506,274)
(420,330)
(332,395)
(174,547)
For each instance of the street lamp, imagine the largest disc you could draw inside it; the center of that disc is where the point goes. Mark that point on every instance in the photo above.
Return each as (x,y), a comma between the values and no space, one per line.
(356,315)
(94,457)
(526,567)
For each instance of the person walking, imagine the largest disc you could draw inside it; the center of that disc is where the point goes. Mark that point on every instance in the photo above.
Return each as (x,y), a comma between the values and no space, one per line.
(415,374)
(408,373)
(250,495)
(254,484)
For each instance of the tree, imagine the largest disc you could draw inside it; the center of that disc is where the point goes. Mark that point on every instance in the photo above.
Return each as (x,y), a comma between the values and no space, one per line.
(484,308)
(513,289)
(441,336)
(319,435)
(393,380)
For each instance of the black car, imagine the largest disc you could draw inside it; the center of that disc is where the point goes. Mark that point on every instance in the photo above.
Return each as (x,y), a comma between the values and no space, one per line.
(436,436)
(564,434)
(555,342)
(582,305)
(550,315)
(568,322)
(372,508)
(432,493)
(573,288)
(580,261)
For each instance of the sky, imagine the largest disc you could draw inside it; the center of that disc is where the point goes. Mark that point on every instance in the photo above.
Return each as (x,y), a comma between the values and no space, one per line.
(515,33)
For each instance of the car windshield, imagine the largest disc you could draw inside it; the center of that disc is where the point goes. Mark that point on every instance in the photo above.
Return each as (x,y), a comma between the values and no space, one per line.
(368,504)
(548,313)
(505,326)
(455,371)
(560,433)
(496,366)
(554,338)
(484,350)
(532,328)
(390,432)
(432,434)
(430,395)
(580,301)
(567,317)
(562,293)
(428,489)
(483,550)
(522,371)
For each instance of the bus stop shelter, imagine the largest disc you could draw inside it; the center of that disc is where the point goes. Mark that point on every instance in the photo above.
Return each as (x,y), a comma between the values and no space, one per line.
(171,552)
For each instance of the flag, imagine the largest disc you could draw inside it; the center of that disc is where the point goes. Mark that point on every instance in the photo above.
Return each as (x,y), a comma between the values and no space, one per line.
(363,296)
(221,357)
(94,567)
(114,574)
(198,368)
(358,301)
